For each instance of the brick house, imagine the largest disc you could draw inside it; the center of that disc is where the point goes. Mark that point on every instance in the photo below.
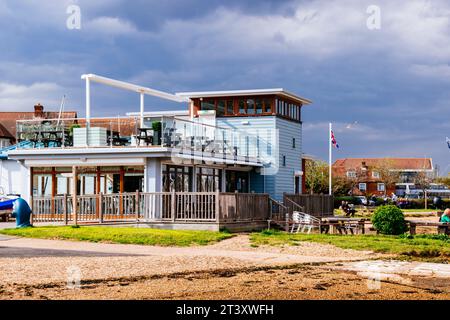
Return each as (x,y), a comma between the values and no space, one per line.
(366,174)
(8,120)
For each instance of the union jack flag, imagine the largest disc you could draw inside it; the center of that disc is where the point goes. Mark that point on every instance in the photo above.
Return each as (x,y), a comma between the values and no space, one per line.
(333,140)
(448,142)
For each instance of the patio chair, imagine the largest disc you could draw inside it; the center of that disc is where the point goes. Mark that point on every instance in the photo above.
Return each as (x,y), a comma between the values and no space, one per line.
(297,221)
(303,221)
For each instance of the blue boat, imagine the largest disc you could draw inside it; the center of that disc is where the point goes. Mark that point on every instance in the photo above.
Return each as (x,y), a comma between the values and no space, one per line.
(7,203)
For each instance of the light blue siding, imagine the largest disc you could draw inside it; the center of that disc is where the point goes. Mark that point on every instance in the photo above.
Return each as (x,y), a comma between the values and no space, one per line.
(285,176)
(274,141)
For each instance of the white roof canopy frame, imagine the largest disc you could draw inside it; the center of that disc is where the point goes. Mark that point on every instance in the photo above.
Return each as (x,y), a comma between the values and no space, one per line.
(126,86)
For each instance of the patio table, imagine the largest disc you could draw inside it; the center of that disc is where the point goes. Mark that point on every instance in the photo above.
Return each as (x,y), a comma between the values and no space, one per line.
(342,224)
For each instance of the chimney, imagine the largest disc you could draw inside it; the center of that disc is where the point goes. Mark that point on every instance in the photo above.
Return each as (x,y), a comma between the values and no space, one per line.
(38,111)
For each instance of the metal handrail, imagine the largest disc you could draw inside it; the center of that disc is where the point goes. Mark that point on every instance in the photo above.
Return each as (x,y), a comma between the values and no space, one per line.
(302,209)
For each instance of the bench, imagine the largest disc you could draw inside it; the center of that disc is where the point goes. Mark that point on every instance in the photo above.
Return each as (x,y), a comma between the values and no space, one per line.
(442,228)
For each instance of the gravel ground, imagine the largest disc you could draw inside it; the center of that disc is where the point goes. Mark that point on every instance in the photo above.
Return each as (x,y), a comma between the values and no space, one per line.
(38,261)
(231,269)
(300,282)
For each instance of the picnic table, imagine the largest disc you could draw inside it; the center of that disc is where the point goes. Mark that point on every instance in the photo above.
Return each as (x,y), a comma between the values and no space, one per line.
(343,225)
(442,227)
(145,135)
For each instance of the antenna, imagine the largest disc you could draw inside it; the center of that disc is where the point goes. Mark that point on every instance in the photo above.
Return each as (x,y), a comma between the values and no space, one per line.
(61,108)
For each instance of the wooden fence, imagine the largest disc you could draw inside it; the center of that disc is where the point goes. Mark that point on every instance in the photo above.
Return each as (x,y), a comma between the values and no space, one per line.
(317,205)
(243,207)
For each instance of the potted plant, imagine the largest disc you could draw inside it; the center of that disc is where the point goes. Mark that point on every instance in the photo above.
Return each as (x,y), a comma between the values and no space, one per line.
(157,128)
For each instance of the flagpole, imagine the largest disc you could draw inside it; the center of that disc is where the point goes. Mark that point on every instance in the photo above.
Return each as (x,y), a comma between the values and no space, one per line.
(329,160)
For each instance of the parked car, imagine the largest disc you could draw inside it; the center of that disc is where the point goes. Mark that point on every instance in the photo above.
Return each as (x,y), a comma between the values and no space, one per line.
(362,200)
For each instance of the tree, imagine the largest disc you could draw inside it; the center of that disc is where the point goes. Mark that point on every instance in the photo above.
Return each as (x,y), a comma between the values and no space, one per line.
(443,180)
(316,176)
(358,175)
(387,175)
(317,173)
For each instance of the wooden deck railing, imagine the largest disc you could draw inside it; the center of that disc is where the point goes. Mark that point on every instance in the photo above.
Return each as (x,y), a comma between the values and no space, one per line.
(157,206)
(166,207)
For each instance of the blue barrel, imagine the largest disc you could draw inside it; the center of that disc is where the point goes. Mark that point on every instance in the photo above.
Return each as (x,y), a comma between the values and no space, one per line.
(22,213)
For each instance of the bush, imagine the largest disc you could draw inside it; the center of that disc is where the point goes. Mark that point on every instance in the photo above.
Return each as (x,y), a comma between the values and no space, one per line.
(389,220)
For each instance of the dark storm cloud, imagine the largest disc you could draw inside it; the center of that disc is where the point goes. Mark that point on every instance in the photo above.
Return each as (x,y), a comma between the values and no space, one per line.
(390,84)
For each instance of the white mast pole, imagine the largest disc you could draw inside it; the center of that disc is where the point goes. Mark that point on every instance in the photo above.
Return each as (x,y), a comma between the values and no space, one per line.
(88,109)
(142,109)
(329,160)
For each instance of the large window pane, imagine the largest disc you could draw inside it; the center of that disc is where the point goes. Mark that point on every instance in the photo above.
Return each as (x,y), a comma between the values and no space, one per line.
(220,108)
(230,108)
(208,105)
(259,106)
(242,107)
(250,106)
(267,107)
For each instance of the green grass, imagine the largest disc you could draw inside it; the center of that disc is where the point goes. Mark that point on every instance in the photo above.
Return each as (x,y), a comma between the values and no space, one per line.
(419,247)
(127,235)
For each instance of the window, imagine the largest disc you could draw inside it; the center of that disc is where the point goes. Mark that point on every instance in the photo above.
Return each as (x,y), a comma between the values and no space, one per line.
(176,178)
(241,104)
(230,107)
(267,105)
(258,106)
(220,108)
(209,179)
(208,105)
(293,143)
(250,106)
(284,161)
(375,174)
(362,187)
(380,187)
(351,174)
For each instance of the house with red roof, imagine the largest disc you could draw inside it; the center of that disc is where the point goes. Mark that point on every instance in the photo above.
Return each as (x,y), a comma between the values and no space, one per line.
(379,176)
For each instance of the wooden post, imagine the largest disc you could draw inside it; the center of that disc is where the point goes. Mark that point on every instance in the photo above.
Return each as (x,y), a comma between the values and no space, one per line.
(100,207)
(287,221)
(426,199)
(97,191)
(121,190)
(412,228)
(173,205)
(137,206)
(74,195)
(217,206)
(32,208)
(65,208)
(53,193)
(362,225)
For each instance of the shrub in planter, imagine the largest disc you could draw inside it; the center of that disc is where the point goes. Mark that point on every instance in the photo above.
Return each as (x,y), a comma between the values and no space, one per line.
(389,220)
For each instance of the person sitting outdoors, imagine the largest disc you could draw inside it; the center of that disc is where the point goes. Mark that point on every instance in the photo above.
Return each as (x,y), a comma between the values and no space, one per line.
(347,208)
(344,206)
(445,216)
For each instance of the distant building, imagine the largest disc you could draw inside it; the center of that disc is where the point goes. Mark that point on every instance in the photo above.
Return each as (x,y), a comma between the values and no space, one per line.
(8,120)
(6,138)
(366,175)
